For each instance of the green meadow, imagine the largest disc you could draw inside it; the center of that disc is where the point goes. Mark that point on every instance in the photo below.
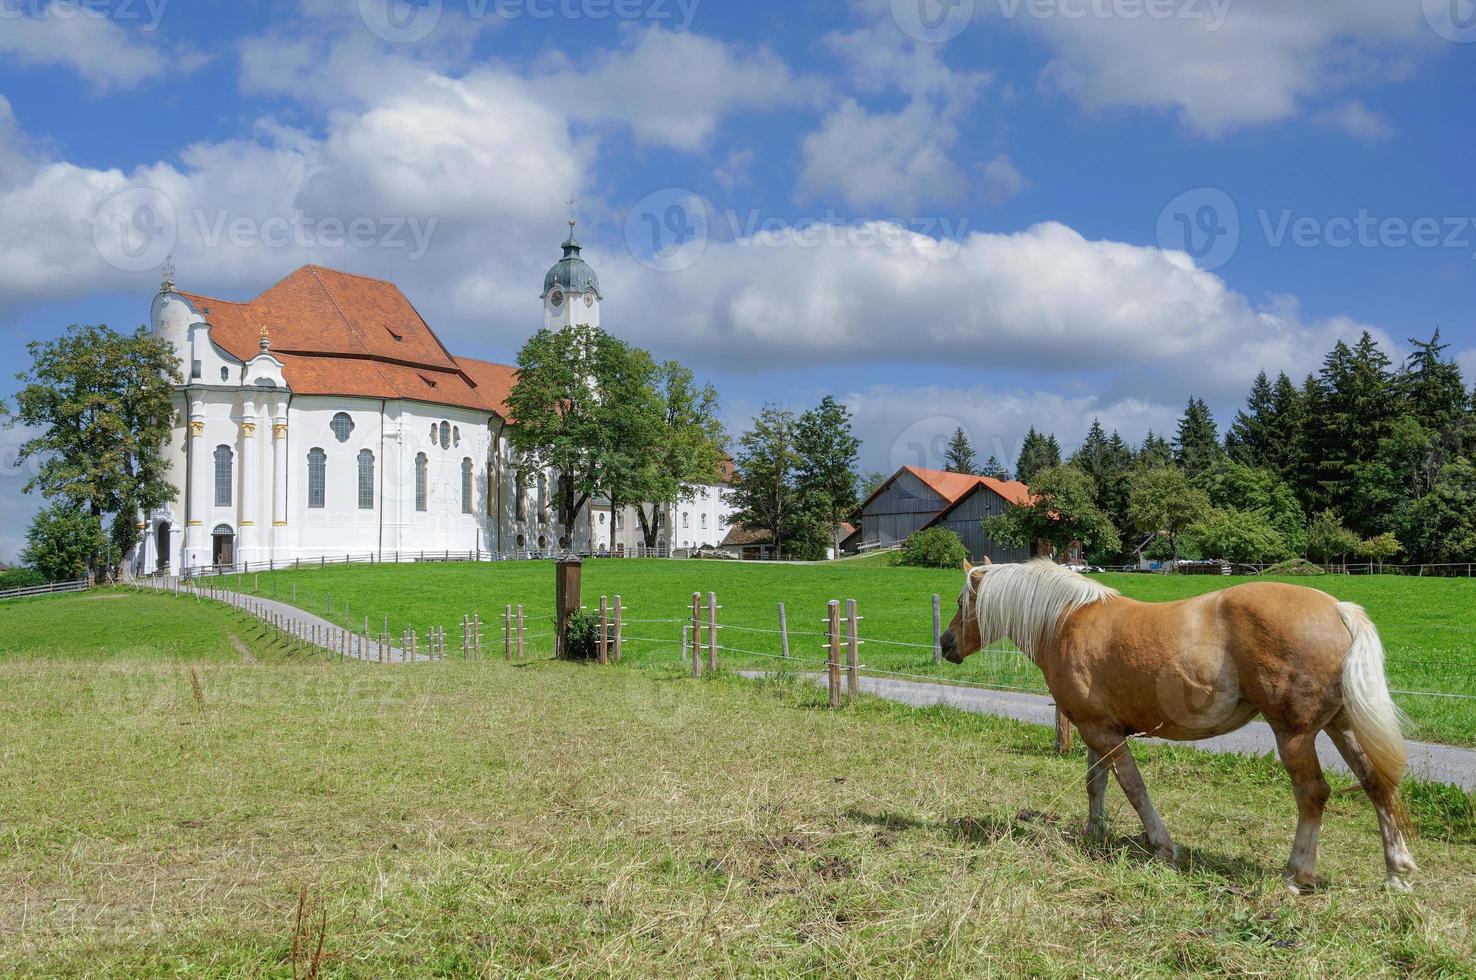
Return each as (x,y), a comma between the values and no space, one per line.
(1427,624)
(182,796)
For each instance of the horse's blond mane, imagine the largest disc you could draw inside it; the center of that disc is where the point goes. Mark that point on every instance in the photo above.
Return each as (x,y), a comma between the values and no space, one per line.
(1026,602)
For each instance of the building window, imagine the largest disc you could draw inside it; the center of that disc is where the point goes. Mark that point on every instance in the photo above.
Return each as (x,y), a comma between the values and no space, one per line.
(466,485)
(445,435)
(491,491)
(317,479)
(522,540)
(686,519)
(522,497)
(366,480)
(225,374)
(619,521)
(420,475)
(342,427)
(704,522)
(661,518)
(223,468)
(456,435)
(434,429)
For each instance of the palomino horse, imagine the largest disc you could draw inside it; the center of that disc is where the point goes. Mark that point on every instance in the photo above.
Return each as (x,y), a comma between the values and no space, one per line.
(1200,667)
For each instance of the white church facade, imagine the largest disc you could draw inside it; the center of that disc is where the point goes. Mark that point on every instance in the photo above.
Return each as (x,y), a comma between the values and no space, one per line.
(325,419)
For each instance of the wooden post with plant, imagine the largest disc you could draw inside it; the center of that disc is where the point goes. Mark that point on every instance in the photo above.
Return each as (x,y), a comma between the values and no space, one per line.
(567,575)
(783,632)
(477,634)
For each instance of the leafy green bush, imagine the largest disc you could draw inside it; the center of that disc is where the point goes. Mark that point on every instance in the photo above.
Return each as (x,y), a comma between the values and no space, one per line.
(936,547)
(584,635)
(1296,566)
(21,578)
(61,541)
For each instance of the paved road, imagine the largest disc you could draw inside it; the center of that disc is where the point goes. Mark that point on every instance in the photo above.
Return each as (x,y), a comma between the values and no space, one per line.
(298,622)
(1438,763)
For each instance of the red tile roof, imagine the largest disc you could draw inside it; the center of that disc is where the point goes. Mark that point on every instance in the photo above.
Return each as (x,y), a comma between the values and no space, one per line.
(342,334)
(953,487)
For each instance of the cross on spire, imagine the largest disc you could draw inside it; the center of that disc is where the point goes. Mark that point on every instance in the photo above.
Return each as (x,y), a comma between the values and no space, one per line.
(572,202)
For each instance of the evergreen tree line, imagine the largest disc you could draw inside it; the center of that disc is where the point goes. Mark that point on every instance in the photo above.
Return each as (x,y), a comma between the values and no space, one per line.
(1363,460)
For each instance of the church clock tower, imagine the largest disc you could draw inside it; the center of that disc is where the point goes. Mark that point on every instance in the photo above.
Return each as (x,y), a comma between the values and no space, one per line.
(571,290)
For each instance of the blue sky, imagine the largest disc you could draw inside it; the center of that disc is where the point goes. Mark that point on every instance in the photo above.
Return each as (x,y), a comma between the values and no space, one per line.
(1029,212)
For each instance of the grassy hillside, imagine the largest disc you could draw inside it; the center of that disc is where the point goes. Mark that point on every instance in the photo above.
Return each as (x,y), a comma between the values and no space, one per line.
(162,815)
(1427,624)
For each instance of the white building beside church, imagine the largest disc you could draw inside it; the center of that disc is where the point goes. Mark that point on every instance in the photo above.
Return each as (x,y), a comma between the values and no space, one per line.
(324,418)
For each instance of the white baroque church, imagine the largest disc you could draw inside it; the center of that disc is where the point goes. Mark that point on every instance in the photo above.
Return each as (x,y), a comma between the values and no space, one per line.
(325,419)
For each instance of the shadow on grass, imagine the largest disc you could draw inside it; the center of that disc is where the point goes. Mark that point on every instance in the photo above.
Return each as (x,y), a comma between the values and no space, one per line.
(1026,824)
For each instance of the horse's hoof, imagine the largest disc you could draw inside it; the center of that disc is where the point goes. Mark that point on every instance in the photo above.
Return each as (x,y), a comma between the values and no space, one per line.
(1398,885)
(1098,831)
(1298,886)
(1169,855)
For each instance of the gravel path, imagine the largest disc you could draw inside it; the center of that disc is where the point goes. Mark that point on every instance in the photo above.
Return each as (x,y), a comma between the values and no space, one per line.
(1437,763)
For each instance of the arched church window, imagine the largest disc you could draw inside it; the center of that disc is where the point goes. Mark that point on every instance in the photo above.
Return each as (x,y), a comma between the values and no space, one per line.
(445,435)
(467,485)
(420,481)
(342,427)
(456,435)
(317,479)
(366,480)
(225,374)
(224,460)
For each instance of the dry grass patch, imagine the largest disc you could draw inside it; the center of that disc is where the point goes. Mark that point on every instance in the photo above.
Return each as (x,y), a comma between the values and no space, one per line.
(480,819)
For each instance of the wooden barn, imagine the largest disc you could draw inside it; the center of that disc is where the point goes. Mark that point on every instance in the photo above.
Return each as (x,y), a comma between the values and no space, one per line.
(914,498)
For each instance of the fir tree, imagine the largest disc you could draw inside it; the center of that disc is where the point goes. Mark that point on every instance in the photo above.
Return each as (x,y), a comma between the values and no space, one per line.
(1249,440)
(960,455)
(1197,444)
(1037,452)
(1431,387)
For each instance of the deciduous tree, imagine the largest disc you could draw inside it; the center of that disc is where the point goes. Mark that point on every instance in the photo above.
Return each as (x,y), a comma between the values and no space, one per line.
(102,402)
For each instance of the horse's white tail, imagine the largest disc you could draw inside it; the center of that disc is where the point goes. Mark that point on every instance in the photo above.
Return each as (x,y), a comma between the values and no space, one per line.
(1376,719)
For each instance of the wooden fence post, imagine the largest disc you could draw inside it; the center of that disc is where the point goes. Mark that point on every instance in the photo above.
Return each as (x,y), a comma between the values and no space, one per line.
(619,637)
(602,646)
(477,634)
(783,632)
(697,653)
(696,634)
(853,652)
(833,672)
(937,629)
(712,631)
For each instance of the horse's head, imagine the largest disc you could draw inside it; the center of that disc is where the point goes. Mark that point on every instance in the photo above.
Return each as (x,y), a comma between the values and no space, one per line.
(962,636)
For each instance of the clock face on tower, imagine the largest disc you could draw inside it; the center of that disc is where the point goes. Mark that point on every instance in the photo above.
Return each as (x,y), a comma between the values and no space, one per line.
(557,298)
(589,298)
